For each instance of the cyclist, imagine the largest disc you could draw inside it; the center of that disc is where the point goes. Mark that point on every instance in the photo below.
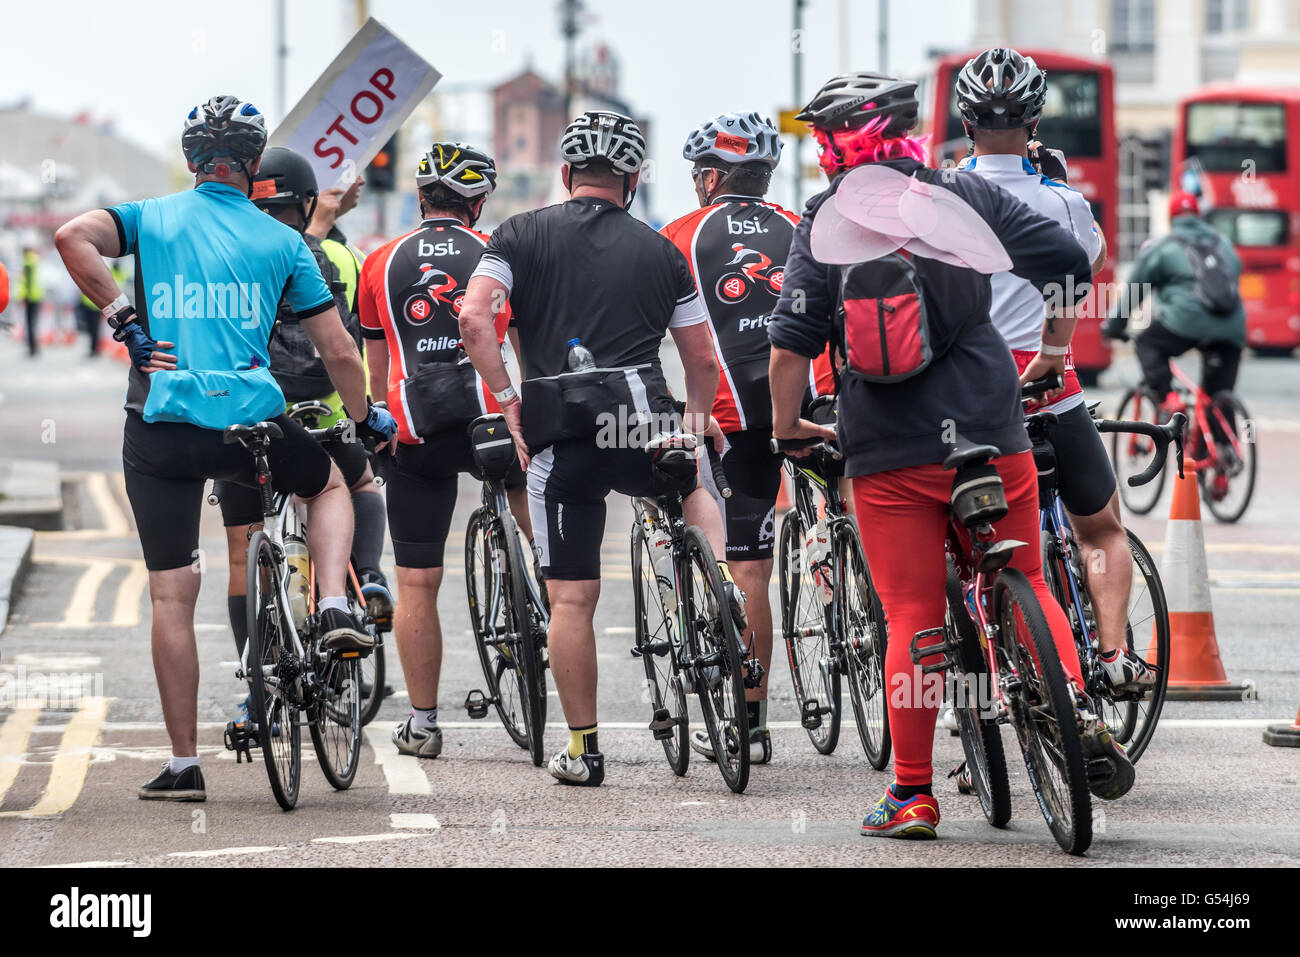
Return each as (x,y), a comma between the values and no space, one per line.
(1183,269)
(411,293)
(1001,95)
(285,187)
(215,267)
(586,272)
(895,435)
(736,245)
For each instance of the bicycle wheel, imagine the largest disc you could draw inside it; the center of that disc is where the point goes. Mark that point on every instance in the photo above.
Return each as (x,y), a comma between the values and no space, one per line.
(1133,720)
(716,667)
(273,673)
(1131,454)
(1043,712)
(336,719)
(528,650)
(373,675)
(1228,487)
(813,668)
(981,739)
(665,690)
(862,626)
(489,620)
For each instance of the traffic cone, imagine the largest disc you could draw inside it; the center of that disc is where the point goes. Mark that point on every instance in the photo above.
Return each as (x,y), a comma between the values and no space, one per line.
(1195,668)
(1282,735)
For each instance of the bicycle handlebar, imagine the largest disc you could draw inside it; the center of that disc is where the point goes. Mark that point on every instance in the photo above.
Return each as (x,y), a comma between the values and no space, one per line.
(1171,431)
(1031,390)
(719,477)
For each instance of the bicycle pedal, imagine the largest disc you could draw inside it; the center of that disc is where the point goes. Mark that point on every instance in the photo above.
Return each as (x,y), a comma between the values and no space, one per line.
(240,738)
(477,704)
(811,715)
(942,649)
(1100,769)
(663,725)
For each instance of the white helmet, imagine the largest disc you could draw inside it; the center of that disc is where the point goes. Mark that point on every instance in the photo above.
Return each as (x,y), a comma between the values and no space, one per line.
(736,138)
(605,137)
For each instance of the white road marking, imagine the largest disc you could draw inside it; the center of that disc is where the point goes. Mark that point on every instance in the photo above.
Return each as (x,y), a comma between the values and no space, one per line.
(81,864)
(402,771)
(415,822)
(366,838)
(226,852)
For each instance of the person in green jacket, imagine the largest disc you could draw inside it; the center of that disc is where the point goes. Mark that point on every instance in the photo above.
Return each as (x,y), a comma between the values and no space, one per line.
(1204,312)
(32,294)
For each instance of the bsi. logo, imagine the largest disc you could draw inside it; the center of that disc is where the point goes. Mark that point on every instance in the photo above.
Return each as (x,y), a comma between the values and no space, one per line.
(76,910)
(745,227)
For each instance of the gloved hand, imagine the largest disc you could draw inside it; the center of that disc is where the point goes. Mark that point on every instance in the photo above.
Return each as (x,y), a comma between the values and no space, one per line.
(1051,163)
(1115,328)
(379,425)
(146,353)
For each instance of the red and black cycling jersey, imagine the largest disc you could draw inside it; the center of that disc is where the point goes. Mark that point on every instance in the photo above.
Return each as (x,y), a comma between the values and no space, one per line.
(736,249)
(410,295)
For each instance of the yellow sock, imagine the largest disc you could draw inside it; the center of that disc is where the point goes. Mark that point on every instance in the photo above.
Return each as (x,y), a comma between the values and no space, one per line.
(582,741)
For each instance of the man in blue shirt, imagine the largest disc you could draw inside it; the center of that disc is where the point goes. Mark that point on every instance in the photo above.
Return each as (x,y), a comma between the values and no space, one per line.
(210,270)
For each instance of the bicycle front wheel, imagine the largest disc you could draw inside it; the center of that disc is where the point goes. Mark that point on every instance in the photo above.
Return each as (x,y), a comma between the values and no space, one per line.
(274,670)
(489,620)
(1043,713)
(528,649)
(715,663)
(336,719)
(664,687)
(1131,454)
(861,622)
(1228,486)
(814,670)
(373,675)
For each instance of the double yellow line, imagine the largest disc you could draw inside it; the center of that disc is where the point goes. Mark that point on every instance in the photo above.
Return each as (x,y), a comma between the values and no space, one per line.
(71,761)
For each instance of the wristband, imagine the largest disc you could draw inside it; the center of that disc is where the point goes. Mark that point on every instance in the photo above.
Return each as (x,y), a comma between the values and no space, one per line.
(507,394)
(1047,350)
(116,306)
(119,321)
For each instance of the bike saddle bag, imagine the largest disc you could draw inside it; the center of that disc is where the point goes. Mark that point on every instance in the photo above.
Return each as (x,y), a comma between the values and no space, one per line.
(493,446)
(675,471)
(978,496)
(1045,461)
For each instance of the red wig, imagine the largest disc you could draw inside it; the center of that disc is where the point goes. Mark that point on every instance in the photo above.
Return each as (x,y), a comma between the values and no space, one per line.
(844,149)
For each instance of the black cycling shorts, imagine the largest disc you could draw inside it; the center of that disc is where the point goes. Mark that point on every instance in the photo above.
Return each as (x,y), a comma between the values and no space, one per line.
(167,464)
(1084,475)
(754,474)
(422,487)
(241,505)
(567,487)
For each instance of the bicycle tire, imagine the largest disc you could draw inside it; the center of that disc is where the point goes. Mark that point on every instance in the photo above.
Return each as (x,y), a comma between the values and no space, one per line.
(374,671)
(981,738)
(1047,740)
(718,679)
(663,678)
(336,720)
(268,646)
(507,695)
(865,656)
(523,624)
(802,610)
(1139,405)
(1231,407)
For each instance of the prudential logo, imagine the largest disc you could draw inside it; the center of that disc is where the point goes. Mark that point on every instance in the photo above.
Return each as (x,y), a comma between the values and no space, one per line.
(178,299)
(75,910)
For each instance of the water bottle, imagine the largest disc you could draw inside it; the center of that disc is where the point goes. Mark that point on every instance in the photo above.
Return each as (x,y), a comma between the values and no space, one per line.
(817,560)
(661,556)
(580,357)
(296,557)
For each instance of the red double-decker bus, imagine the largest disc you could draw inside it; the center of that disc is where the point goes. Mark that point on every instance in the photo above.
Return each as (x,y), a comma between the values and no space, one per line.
(1241,146)
(1079,120)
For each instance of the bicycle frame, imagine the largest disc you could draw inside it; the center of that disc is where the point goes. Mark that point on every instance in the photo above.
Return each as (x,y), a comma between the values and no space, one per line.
(805,480)
(494,498)
(976,583)
(1056,522)
(1203,436)
(667,513)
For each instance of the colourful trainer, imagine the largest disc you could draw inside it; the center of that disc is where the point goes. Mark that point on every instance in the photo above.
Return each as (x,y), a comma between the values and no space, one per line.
(916,817)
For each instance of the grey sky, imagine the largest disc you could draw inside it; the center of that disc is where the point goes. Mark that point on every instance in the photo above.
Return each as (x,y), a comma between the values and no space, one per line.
(144,63)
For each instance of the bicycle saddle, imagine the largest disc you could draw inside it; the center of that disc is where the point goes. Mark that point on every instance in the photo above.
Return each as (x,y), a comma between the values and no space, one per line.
(492,418)
(246,433)
(964,453)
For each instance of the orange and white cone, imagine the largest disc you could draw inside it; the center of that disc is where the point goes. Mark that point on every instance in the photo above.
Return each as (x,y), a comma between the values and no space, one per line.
(1284,735)
(1195,668)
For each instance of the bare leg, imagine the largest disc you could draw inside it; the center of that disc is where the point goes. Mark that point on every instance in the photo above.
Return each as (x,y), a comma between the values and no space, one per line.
(702,511)
(753,577)
(572,645)
(518,499)
(1108,565)
(172,594)
(419,633)
(329,534)
(237,553)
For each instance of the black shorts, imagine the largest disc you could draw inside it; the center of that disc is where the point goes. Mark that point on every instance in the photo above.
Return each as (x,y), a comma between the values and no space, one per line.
(422,486)
(754,474)
(1084,474)
(242,505)
(567,487)
(167,464)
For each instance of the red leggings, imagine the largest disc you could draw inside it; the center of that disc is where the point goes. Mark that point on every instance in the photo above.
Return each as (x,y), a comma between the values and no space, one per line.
(903,517)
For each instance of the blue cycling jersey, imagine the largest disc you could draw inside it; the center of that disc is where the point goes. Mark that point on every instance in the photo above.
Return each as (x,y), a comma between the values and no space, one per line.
(211,269)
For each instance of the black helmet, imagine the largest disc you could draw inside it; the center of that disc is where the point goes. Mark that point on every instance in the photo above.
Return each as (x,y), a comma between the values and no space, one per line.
(285,178)
(1001,90)
(225,127)
(852,100)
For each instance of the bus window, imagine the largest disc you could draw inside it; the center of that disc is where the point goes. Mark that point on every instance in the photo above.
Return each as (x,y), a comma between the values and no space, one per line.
(1250,227)
(1224,135)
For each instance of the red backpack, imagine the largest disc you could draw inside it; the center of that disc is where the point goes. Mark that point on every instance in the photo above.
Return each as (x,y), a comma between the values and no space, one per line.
(887,333)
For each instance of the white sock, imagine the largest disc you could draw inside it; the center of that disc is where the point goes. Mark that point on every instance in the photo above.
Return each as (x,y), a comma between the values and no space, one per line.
(424,719)
(177,765)
(341,603)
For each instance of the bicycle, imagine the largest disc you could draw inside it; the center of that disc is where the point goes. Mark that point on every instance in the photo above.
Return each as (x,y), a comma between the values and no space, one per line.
(1131,716)
(831,617)
(1225,470)
(685,634)
(996,642)
(507,612)
(289,674)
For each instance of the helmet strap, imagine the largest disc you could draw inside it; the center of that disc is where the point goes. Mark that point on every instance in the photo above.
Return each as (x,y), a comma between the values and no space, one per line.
(629,191)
